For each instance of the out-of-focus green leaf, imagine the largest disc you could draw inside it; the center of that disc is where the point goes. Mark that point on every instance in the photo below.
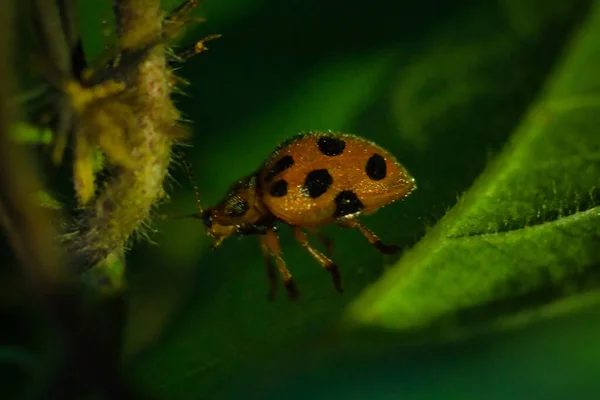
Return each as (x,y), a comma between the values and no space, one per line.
(96,26)
(108,277)
(47,201)
(528,225)
(25,133)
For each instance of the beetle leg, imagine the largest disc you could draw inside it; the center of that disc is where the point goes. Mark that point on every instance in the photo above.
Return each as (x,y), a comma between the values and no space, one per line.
(320,257)
(271,274)
(370,236)
(271,242)
(327,242)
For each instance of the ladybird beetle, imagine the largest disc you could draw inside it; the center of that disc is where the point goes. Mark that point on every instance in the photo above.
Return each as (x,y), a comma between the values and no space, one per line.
(310,180)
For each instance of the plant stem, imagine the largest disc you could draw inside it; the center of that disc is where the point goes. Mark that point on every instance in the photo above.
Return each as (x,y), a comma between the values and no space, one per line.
(125,202)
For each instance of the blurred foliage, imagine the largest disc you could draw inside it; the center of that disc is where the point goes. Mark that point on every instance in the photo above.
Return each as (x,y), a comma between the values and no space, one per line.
(26,133)
(492,106)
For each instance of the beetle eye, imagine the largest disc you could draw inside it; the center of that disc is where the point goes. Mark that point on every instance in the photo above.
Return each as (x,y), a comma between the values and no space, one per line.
(207,218)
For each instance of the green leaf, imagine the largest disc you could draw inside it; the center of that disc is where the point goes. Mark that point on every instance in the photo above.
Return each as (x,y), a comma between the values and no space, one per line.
(529,224)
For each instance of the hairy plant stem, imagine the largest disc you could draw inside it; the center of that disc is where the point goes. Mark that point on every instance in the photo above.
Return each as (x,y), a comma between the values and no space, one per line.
(125,201)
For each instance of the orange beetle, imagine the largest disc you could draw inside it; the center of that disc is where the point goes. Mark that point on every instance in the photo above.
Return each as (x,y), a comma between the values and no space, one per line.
(310,180)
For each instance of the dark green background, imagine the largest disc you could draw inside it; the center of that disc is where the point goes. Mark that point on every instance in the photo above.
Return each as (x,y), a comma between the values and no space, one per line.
(443,85)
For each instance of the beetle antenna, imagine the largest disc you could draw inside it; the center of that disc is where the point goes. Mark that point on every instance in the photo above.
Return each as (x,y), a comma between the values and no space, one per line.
(190,174)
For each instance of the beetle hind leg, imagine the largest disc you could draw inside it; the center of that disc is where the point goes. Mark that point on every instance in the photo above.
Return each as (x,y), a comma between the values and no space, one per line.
(371,237)
(325,240)
(269,244)
(271,274)
(320,257)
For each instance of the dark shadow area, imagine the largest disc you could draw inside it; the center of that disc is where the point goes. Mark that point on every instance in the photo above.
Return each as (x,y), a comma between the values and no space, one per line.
(545,359)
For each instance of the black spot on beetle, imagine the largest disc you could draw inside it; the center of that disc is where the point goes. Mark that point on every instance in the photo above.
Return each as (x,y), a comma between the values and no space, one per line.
(279,188)
(376,167)
(346,203)
(236,207)
(331,146)
(317,182)
(281,165)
